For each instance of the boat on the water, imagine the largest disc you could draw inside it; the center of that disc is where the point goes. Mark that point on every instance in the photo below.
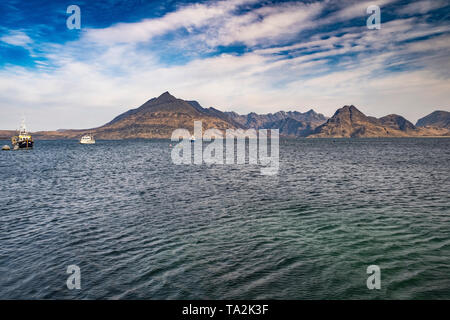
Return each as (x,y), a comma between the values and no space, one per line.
(87,139)
(23,140)
(192,138)
(6,147)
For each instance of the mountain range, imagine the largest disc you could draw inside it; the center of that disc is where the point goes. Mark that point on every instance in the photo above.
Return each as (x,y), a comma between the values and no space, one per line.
(159,117)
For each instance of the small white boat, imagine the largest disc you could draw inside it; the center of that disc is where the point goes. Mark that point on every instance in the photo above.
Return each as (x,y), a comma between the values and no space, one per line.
(192,139)
(6,147)
(87,139)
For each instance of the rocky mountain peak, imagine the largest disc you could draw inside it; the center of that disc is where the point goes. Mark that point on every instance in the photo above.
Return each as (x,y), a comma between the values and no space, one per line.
(166,96)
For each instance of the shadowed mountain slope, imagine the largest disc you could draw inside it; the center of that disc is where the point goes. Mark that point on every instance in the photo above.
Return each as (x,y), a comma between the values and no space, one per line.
(437,119)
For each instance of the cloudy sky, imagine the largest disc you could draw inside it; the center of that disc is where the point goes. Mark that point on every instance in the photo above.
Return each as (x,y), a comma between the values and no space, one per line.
(240,55)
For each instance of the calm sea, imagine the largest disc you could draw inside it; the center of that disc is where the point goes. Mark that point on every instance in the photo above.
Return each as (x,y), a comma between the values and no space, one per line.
(140,227)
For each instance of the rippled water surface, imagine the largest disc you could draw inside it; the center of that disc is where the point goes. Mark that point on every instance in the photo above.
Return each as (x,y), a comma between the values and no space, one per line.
(140,227)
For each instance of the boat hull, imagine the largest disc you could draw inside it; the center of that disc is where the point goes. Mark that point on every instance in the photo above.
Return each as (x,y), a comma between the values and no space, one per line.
(20,143)
(87,139)
(25,144)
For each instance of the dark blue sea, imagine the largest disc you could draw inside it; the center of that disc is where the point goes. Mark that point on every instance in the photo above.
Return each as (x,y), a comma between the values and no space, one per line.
(140,227)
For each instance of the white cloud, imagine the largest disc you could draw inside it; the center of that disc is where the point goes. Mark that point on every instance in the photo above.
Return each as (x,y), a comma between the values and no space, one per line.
(188,17)
(421,7)
(17,38)
(267,24)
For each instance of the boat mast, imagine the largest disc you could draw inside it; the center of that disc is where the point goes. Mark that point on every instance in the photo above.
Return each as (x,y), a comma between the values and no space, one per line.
(23,128)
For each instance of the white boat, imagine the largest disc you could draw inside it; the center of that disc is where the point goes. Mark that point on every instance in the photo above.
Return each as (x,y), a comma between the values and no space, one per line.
(87,139)
(192,139)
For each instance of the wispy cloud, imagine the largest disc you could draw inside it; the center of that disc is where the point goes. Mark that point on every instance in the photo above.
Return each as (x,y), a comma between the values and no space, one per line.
(421,7)
(16,38)
(187,17)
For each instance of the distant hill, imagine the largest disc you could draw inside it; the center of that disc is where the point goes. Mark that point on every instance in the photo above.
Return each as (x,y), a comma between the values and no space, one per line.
(349,122)
(437,119)
(7,134)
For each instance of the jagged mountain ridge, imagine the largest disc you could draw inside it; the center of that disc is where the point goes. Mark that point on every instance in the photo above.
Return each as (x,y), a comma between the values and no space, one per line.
(349,122)
(290,124)
(257,121)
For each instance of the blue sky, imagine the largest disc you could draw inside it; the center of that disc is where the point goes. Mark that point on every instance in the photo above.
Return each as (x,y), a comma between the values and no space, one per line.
(240,55)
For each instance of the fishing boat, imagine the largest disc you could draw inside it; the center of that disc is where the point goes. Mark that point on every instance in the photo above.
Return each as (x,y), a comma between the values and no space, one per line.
(87,139)
(23,140)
